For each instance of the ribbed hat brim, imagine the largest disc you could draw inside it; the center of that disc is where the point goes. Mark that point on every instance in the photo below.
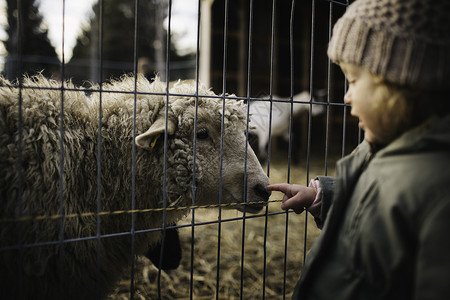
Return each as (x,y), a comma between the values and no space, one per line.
(402,60)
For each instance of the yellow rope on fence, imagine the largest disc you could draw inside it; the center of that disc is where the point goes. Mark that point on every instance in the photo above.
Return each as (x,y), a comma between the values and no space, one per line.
(130,211)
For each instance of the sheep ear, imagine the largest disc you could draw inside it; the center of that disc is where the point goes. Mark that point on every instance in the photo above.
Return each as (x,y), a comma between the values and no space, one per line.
(147,140)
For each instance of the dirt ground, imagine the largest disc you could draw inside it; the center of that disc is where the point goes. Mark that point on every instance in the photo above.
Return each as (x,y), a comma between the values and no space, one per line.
(260,257)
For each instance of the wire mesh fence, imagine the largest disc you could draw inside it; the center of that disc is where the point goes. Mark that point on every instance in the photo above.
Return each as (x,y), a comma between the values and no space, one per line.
(136,187)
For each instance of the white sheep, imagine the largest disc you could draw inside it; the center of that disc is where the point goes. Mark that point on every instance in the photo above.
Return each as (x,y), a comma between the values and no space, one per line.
(79,269)
(261,113)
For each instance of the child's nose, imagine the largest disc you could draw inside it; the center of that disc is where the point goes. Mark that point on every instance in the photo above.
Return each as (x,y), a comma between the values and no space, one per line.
(347,97)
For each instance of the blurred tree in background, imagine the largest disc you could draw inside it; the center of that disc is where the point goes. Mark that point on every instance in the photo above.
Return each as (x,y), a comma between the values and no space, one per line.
(28,47)
(106,48)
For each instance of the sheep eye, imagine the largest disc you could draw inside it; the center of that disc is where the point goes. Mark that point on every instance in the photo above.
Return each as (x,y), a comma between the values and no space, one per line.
(202,133)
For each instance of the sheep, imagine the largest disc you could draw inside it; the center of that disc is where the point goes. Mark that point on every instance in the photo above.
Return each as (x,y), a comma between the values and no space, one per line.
(34,264)
(260,118)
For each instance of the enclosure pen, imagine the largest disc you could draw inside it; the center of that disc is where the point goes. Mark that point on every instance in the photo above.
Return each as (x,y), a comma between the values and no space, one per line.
(260,51)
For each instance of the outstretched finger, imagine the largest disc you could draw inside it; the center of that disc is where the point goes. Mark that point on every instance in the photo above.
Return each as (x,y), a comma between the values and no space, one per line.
(281,187)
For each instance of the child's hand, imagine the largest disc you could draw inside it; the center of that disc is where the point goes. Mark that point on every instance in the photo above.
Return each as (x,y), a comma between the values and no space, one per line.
(296,197)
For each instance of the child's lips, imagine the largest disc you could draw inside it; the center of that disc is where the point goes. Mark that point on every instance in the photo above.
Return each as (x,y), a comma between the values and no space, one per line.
(361,124)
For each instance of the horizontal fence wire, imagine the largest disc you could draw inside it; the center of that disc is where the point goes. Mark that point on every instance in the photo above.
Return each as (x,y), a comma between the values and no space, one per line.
(141,231)
(129,211)
(270,99)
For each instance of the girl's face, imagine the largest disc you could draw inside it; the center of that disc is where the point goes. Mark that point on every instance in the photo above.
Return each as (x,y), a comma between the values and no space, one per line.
(364,98)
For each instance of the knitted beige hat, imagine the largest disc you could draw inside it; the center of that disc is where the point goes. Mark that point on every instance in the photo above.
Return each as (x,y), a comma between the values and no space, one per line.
(407,42)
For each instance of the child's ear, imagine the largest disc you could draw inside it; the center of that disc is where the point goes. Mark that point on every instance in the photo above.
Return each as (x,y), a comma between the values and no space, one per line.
(147,140)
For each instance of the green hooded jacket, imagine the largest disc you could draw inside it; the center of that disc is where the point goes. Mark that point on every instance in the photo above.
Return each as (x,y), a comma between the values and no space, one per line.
(386,222)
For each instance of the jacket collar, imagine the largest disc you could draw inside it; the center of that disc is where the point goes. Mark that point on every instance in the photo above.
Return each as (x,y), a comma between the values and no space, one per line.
(432,135)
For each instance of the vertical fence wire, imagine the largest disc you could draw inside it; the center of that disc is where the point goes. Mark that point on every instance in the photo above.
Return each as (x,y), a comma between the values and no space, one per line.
(133,150)
(19,151)
(166,137)
(63,33)
(222,132)
(311,85)
(99,148)
(194,154)
(266,212)
(249,86)
(327,126)
(192,254)
(344,118)
(61,182)
(291,60)
(360,131)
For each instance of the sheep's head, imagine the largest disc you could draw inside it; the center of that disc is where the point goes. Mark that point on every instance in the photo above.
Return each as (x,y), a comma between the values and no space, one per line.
(226,167)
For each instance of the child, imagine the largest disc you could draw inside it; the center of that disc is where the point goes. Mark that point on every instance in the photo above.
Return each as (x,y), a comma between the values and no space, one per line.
(386,215)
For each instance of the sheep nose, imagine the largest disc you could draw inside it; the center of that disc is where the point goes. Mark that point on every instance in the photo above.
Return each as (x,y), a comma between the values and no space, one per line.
(261,191)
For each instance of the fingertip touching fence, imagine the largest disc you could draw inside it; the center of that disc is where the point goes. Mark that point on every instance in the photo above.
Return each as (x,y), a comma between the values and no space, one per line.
(117,185)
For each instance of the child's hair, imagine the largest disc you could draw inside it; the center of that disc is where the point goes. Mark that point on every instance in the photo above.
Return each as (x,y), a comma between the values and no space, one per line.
(403,107)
